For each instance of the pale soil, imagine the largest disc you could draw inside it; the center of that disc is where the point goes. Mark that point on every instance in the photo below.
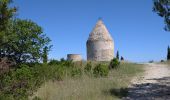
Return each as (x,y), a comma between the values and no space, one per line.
(154,84)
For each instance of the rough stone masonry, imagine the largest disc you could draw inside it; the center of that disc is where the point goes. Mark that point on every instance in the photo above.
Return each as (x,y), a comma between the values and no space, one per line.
(100,46)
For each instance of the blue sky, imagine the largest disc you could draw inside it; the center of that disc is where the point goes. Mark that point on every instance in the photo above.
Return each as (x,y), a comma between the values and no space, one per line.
(137,31)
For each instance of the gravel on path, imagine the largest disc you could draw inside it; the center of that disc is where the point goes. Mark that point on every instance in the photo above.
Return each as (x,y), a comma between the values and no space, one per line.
(154,84)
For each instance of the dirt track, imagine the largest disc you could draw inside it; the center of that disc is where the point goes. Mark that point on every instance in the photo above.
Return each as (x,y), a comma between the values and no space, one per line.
(153,85)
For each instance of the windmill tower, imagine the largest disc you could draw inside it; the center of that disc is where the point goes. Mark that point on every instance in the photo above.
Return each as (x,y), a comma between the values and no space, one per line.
(100,46)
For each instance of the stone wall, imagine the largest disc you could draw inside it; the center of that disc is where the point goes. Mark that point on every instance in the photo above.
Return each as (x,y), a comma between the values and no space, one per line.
(100,50)
(74,57)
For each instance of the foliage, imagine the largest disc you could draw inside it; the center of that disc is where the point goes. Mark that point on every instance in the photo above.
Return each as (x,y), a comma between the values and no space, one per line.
(45,55)
(36,98)
(76,72)
(162,8)
(88,69)
(18,83)
(62,60)
(53,62)
(6,97)
(5,65)
(22,82)
(6,14)
(20,40)
(117,55)
(28,42)
(121,58)
(114,63)
(92,88)
(168,53)
(101,70)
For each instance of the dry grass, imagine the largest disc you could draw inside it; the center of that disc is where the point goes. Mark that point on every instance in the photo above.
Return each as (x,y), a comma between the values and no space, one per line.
(165,62)
(91,88)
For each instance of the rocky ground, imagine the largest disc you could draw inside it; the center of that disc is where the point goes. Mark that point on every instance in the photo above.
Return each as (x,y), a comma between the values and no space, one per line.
(153,85)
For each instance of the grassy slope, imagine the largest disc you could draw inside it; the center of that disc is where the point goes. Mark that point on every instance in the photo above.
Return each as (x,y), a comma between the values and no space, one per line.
(90,88)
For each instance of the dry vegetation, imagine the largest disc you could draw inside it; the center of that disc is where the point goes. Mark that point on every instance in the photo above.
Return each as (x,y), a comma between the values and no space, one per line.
(165,62)
(91,88)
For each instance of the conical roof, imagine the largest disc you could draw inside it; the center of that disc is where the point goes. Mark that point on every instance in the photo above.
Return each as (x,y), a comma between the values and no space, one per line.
(100,32)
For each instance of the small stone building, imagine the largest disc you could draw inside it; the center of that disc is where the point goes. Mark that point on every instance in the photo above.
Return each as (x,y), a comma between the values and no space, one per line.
(100,46)
(74,57)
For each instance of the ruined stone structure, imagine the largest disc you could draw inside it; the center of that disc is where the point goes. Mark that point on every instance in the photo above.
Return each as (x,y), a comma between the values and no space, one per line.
(100,46)
(74,57)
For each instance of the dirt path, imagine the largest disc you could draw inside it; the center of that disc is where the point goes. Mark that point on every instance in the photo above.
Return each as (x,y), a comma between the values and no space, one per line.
(153,85)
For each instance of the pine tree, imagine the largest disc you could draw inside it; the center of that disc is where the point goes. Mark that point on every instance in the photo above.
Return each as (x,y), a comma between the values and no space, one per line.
(6,13)
(168,53)
(117,55)
(122,58)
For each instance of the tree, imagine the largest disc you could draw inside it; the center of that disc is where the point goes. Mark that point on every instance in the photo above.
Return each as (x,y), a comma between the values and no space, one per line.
(117,55)
(6,14)
(20,40)
(122,58)
(28,42)
(168,53)
(162,8)
(114,63)
(45,55)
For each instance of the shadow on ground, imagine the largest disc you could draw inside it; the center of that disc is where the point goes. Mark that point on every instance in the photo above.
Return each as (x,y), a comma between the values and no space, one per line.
(146,91)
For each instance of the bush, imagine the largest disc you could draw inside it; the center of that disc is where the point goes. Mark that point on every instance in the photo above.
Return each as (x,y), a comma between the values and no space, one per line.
(114,63)
(100,70)
(6,97)
(76,72)
(60,72)
(151,61)
(67,63)
(36,98)
(53,62)
(22,82)
(18,83)
(88,68)
(162,61)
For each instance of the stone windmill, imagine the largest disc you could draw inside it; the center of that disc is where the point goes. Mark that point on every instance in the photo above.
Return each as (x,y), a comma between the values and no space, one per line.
(100,45)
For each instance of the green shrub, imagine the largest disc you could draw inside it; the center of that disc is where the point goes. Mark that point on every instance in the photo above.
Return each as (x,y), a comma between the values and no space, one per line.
(62,60)
(6,97)
(75,72)
(54,62)
(67,63)
(36,98)
(60,72)
(114,63)
(24,81)
(100,70)
(88,68)
(18,83)
(23,73)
